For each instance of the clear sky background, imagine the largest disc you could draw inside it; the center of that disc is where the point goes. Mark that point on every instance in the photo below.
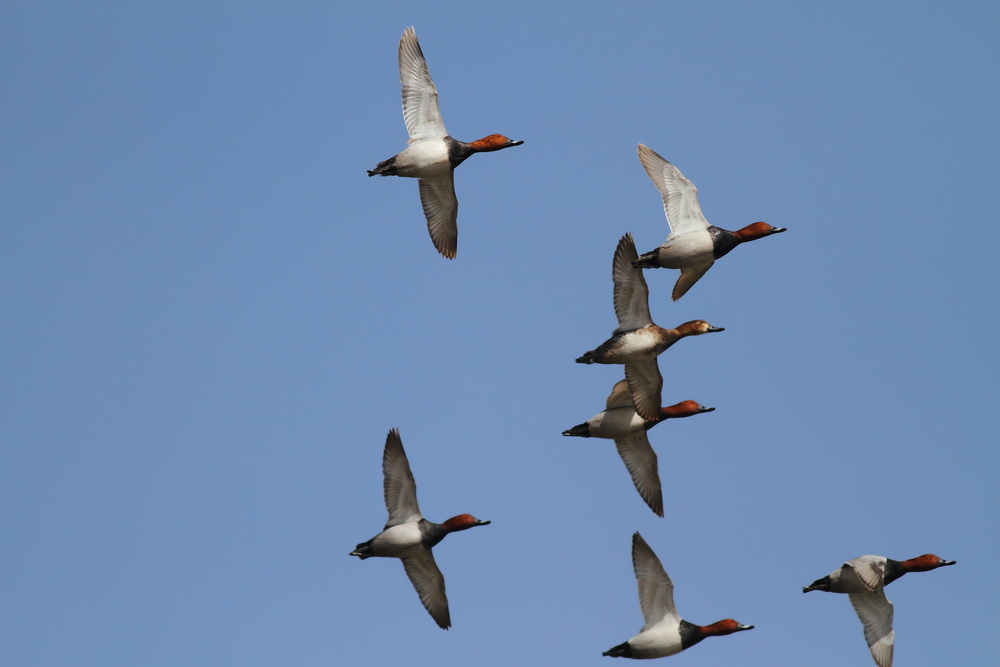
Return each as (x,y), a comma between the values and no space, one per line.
(212,317)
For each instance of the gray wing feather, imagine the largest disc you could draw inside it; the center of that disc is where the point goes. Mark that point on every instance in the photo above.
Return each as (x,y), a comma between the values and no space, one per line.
(640,459)
(656,590)
(429,584)
(398,484)
(420,97)
(646,385)
(875,612)
(437,195)
(631,292)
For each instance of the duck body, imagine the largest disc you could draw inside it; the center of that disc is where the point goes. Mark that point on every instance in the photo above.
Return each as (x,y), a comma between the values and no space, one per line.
(656,642)
(680,252)
(619,419)
(402,540)
(636,345)
(662,640)
(433,158)
(868,573)
(692,249)
(424,159)
(611,424)
(637,350)
(878,571)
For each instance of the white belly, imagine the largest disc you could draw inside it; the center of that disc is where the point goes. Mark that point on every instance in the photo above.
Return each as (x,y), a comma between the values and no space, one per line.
(617,423)
(638,344)
(689,249)
(424,159)
(657,642)
(397,541)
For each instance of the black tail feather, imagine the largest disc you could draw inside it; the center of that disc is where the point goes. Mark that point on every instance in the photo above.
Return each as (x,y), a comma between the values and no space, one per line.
(648,260)
(620,651)
(384,168)
(363,550)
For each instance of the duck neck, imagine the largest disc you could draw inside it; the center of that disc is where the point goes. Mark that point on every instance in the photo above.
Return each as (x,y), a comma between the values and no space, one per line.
(691,634)
(723,240)
(670,336)
(894,569)
(683,331)
(431,533)
(458,151)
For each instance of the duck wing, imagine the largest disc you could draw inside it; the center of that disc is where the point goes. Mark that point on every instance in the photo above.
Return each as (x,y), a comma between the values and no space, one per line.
(689,276)
(640,459)
(680,196)
(437,195)
(631,292)
(620,396)
(656,591)
(429,583)
(870,570)
(420,97)
(645,384)
(875,612)
(398,485)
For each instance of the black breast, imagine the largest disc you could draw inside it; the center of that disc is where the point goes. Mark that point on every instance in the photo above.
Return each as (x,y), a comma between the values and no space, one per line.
(458,151)
(431,533)
(893,571)
(691,634)
(723,240)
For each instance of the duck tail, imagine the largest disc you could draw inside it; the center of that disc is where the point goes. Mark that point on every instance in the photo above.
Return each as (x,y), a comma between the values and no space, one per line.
(620,651)
(384,168)
(587,358)
(363,550)
(581,430)
(648,260)
(818,585)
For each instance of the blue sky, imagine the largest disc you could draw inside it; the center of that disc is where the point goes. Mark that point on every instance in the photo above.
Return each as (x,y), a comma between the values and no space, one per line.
(213,317)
